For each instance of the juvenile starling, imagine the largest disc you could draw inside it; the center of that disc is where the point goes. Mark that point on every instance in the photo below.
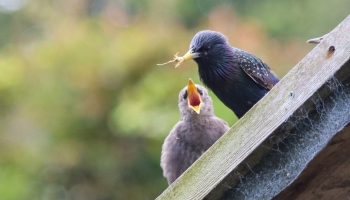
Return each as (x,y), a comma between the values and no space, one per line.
(196,131)
(239,79)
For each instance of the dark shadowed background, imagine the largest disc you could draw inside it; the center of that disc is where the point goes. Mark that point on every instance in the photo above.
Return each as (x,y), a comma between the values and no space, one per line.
(84,109)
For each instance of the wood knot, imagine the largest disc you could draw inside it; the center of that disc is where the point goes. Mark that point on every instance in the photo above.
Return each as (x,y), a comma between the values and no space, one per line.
(330,51)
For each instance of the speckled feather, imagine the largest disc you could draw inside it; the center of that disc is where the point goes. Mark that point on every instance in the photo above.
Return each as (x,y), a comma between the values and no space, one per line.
(255,68)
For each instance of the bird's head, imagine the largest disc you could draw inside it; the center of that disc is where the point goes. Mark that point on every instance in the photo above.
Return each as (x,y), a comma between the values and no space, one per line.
(208,46)
(194,99)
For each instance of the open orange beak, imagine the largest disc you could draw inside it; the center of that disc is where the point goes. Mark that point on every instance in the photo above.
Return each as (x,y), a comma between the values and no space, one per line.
(193,97)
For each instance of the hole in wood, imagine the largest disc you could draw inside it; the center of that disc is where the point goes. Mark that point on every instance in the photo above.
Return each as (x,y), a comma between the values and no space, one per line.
(330,51)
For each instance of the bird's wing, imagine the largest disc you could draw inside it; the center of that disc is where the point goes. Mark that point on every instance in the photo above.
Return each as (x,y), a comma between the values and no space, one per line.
(172,152)
(218,127)
(256,69)
(224,128)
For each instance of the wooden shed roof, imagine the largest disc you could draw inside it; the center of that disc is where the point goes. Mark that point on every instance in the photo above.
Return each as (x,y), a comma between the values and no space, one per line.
(292,143)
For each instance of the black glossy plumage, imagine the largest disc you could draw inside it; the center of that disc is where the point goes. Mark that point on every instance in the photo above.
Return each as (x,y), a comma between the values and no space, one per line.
(239,79)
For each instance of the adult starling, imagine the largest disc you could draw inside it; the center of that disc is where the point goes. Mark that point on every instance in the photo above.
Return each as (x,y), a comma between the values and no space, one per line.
(196,131)
(239,79)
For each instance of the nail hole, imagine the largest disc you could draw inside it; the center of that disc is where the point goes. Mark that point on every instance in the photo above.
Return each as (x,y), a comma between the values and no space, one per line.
(291,94)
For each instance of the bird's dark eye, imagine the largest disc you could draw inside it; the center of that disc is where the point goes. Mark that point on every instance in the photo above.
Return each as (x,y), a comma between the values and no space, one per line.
(200,92)
(204,50)
(185,95)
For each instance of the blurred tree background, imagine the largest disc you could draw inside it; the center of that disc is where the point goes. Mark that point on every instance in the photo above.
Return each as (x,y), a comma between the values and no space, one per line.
(84,109)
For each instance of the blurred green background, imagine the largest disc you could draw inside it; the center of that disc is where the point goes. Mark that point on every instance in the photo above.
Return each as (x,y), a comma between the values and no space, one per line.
(84,109)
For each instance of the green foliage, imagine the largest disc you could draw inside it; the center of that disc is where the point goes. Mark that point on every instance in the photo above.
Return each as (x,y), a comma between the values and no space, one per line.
(84,108)
(295,18)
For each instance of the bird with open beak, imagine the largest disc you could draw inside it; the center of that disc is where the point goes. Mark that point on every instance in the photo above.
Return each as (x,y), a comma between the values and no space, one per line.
(196,131)
(238,78)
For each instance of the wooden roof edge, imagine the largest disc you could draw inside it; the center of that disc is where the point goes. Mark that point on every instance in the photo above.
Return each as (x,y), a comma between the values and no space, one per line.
(252,130)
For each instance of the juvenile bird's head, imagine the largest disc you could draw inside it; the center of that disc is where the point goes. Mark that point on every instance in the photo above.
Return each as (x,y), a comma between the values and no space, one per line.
(195,100)
(209,48)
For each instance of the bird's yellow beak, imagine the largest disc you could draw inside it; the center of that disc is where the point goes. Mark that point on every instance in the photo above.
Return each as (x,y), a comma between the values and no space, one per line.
(189,55)
(193,97)
(317,40)
(180,59)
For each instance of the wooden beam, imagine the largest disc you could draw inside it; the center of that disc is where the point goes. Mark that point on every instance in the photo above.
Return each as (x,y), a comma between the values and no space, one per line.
(242,144)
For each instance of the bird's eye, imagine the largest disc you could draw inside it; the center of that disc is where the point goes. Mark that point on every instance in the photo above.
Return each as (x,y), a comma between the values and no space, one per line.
(200,92)
(204,50)
(185,95)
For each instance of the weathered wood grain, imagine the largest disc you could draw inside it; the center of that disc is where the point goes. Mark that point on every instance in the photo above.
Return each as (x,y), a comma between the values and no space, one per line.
(246,136)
